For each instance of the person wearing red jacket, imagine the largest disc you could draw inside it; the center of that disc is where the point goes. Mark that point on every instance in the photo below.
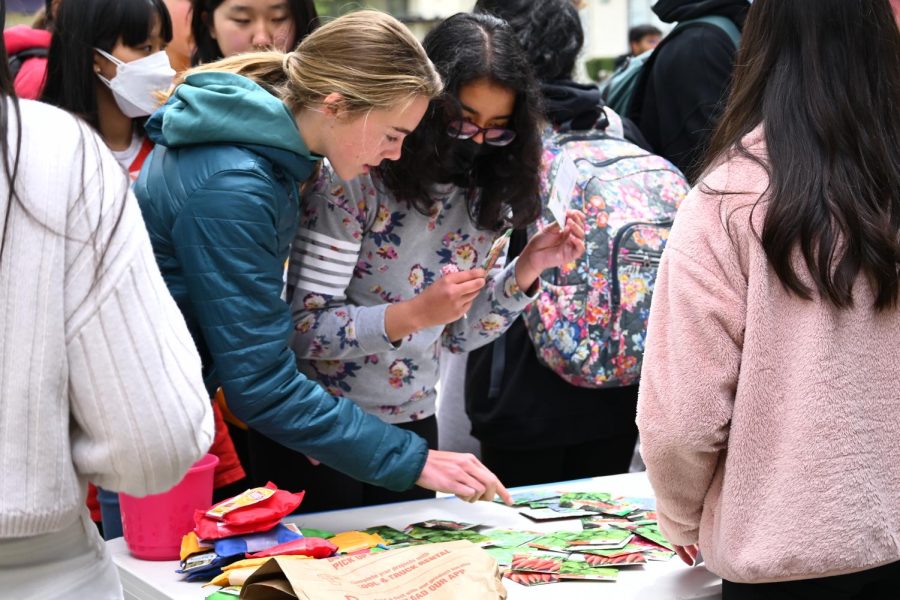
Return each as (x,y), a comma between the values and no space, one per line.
(27,48)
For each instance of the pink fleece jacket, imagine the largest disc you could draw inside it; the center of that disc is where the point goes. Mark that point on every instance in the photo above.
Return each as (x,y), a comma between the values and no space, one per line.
(770,425)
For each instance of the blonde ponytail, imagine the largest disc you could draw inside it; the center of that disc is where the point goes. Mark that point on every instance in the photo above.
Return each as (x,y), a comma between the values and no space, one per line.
(368,57)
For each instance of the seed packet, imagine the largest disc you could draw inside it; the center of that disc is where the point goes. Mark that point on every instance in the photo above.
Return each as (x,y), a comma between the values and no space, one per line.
(226,593)
(434,536)
(503,556)
(312,532)
(530,579)
(312,547)
(496,250)
(390,535)
(598,502)
(523,498)
(623,560)
(652,533)
(190,544)
(255,542)
(245,498)
(562,541)
(508,538)
(548,514)
(351,541)
(604,521)
(537,562)
(444,525)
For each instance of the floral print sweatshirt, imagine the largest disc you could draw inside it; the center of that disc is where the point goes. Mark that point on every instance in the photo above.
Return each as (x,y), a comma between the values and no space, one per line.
(357,250)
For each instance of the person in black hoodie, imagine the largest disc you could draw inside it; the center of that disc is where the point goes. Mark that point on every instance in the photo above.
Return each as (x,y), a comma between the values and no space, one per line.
(688,81)
(533,426)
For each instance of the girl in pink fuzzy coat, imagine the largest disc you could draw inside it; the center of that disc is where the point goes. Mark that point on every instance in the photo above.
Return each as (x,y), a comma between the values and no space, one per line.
(769,407)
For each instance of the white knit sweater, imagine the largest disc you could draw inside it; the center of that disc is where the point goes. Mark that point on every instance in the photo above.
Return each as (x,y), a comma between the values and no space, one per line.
(99,378)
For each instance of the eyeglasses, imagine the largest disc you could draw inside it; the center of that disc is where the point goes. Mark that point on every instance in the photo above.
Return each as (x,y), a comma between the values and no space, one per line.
(493,136)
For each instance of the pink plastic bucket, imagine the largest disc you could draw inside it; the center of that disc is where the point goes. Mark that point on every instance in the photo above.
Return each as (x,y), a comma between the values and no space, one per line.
(154,525)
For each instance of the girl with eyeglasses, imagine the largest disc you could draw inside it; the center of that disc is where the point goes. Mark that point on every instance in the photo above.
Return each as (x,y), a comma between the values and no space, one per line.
(387,269)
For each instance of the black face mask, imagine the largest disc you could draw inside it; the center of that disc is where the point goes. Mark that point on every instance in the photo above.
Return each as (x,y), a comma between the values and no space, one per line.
(459,160)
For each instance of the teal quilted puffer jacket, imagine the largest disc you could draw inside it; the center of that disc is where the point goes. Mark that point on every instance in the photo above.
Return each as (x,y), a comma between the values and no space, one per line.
(219,195)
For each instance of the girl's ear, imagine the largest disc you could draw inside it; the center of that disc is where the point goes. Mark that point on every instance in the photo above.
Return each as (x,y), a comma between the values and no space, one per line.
(98,63)
(333,105)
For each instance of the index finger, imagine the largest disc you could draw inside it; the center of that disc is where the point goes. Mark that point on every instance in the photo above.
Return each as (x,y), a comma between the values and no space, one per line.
(504,494)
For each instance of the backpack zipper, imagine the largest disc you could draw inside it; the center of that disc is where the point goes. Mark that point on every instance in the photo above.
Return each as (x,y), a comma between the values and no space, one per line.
(615,298)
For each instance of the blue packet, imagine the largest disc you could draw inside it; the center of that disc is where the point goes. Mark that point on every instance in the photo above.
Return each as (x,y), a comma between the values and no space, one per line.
(240,545)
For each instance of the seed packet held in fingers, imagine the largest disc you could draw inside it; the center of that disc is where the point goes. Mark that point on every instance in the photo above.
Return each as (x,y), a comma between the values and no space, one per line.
(523,498)
(496,250)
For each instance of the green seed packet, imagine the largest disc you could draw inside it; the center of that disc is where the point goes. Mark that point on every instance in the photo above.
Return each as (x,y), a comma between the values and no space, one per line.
(226,593)
(508,538)
(573,569)
(435,536)
(523,498)
(319,533)
(444,525)
(592,538)
(652,533)
(390,535)
(503,556)
(604,521)
(598,502)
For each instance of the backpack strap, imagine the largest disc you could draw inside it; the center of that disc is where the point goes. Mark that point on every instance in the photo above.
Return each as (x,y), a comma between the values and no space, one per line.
(637,97)
(17,59)
(723,23)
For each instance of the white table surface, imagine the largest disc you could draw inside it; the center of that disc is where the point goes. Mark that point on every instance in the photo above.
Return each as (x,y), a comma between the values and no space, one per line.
(672,580)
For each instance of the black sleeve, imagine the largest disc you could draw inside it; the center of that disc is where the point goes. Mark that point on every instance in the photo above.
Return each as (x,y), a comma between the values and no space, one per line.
(685,94)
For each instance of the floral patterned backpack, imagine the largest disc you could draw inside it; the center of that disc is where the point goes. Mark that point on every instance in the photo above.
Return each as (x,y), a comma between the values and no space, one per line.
(589,321)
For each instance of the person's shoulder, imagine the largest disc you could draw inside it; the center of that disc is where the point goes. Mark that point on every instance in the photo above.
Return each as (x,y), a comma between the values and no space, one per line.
(697,41)
(47,123)
(730,195)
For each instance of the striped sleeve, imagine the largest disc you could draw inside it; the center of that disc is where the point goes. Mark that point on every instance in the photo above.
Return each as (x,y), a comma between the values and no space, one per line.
(323,264)
(327,325)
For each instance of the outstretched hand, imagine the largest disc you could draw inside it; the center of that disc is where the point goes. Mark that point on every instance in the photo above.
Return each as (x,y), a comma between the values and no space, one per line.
(551,247)
(462,475)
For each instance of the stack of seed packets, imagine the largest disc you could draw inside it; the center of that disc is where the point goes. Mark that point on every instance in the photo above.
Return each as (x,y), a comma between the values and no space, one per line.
(617,532)
(544,506)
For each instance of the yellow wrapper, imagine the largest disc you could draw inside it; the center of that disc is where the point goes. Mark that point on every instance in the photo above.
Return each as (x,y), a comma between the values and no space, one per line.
(351,541)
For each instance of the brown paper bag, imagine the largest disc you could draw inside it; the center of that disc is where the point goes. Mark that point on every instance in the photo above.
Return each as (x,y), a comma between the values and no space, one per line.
(445,571)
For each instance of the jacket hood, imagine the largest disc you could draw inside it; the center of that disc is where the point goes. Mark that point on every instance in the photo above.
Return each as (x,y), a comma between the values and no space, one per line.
(672,11)
(570,105)
(22,37)
(224,108)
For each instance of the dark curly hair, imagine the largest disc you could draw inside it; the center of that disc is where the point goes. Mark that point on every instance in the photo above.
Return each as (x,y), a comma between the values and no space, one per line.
(550,31)
(466,48)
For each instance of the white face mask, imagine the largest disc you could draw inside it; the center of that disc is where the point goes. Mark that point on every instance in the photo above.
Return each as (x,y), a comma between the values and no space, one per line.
(135,82)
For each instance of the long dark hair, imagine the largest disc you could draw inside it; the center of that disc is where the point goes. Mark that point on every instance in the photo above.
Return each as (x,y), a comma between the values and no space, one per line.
(81,26)
(818,75)
(550,32)
(206,49)
(8,99)
(466,48)
(10,158)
